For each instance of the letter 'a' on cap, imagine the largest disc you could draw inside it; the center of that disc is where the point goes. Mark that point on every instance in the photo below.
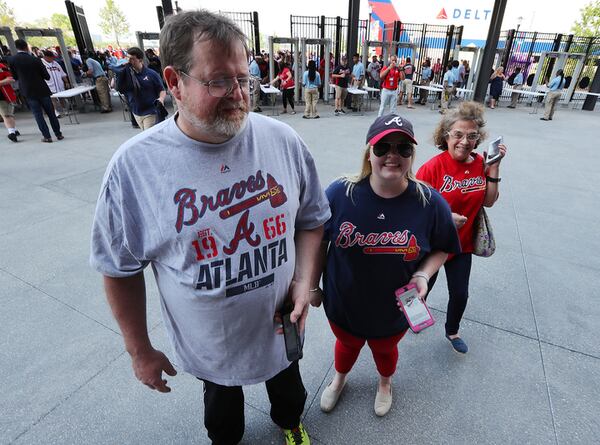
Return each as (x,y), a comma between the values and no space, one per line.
(390,123)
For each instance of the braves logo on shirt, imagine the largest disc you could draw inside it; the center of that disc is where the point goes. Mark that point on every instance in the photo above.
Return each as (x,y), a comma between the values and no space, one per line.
(378,243)
(467,185)
(219,262)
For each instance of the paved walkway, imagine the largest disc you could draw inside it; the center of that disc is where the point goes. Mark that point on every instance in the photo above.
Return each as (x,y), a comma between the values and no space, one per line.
(533,323)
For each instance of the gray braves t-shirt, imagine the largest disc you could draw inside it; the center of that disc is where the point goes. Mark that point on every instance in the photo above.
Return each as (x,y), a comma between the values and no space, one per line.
(217,224)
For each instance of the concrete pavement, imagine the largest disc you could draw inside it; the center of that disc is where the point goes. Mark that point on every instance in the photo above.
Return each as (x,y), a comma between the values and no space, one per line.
(532,374)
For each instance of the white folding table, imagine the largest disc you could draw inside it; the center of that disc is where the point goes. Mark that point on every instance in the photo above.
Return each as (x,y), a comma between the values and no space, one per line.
(70,95)
(272,92)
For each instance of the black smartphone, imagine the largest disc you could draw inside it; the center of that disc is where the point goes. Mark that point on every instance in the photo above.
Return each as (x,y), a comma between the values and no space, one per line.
(291,336)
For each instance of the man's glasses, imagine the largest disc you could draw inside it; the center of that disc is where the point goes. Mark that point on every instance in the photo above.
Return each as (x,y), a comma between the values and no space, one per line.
(405,149)
(458,135)
(223,87)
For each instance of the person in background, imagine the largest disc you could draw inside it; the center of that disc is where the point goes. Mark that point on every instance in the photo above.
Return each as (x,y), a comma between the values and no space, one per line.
(517,85)
(311,81)
(8,99)
(555,87)
(341,75)
(467,184)
(31,74)
(255,78)
(407,84)
(496,83)
(448,85)
(287,85)
(93,69)
(57,81)
(437,70)
(144,89)
(154,62)
(358,80)
(426,76)
(390,78)
(373,70)
(386,230)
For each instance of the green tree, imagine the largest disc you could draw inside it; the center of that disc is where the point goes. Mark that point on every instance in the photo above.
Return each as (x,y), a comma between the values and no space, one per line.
(7,15)
(113,21)
(589,24)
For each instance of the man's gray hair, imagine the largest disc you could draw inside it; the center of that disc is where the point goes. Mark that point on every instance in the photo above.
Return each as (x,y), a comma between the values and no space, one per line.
(181,31)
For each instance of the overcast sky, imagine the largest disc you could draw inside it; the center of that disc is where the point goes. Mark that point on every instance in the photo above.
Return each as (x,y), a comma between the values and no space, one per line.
(274,18)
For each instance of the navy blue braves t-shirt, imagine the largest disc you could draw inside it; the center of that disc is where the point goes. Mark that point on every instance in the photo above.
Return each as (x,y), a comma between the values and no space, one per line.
(376,244)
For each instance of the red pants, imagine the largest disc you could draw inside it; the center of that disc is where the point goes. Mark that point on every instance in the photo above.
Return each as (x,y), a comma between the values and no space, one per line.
(347,348)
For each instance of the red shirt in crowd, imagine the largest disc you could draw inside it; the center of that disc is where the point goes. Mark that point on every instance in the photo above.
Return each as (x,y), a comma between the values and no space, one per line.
(391,79)
(462,185)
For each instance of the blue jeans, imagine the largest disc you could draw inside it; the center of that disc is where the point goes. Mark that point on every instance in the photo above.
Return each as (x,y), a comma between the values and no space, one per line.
(38,105)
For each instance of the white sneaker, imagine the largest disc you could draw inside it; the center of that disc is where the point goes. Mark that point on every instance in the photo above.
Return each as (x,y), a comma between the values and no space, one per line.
(329,398)
(383,403)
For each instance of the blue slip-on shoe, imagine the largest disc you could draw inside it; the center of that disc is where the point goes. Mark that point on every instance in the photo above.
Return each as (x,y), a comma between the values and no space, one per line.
(458,345)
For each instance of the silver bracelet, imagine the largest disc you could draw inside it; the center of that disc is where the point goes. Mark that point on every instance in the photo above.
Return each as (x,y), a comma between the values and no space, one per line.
(422,275)
(316,289)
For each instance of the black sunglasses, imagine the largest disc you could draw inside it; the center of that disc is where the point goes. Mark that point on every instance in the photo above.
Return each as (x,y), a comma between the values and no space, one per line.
(404,149)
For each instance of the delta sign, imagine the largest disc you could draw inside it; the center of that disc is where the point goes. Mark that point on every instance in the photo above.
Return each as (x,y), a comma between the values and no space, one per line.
(473,15)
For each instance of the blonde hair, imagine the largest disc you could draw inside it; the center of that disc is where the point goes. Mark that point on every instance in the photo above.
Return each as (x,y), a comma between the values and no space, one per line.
(423,191)
(466,111)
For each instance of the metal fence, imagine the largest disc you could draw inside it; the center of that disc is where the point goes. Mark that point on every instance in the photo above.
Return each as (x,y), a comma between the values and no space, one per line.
(248,23)
(433,42)
(524,48)
(321,27)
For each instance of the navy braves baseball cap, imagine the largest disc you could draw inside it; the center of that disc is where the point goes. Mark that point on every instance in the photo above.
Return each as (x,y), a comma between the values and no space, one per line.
(390,123)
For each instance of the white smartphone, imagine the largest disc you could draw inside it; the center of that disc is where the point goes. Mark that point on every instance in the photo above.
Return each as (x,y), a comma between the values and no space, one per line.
(416,311)
(493,154)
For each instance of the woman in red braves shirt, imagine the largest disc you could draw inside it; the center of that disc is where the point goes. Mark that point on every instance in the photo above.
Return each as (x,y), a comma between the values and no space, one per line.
(386,230)
(462,179)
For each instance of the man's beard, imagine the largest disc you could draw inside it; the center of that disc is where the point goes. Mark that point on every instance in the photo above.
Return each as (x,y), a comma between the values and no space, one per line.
(219,124)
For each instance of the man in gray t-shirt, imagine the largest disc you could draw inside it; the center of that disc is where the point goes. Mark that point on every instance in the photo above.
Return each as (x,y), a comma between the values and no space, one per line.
(228,209)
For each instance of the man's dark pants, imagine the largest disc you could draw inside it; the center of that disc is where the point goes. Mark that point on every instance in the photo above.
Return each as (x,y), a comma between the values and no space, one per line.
(224,406)
(39,105)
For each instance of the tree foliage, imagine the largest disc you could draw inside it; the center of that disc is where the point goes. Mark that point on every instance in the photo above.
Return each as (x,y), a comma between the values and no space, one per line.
(589,24)
(113,21)
(7,15)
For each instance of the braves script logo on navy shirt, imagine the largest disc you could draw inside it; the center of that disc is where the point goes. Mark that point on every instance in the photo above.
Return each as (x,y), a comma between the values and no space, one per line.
(374,243)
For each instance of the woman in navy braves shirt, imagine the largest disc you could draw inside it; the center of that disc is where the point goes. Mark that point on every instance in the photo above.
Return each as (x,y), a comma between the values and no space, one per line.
(462,179)
(387,229)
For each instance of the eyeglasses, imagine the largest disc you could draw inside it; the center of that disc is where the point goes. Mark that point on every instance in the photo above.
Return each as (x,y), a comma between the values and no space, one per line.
(404,149)
(223,87)
(458,135)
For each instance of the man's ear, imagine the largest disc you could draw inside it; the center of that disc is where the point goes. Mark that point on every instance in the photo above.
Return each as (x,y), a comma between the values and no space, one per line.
(172,80)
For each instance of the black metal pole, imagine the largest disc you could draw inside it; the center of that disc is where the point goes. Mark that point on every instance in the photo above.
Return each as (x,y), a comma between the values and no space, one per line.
(167,7)
(489,52)
(256,33)
(352,42)
(509,48)
(590,101)
(161,17)
(338,38)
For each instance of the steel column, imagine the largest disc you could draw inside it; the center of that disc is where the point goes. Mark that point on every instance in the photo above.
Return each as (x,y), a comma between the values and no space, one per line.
(489,52)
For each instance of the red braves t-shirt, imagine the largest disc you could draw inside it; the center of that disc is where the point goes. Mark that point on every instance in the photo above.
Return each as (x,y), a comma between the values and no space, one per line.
(390,81)
(462,185)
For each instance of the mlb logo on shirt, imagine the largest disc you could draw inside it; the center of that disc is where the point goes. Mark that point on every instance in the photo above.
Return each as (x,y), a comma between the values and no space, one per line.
(225,168)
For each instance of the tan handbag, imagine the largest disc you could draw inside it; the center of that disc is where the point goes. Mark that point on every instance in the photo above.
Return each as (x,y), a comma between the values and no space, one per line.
(484,243)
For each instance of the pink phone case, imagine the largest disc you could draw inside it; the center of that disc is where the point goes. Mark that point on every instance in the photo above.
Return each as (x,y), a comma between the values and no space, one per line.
(400,293)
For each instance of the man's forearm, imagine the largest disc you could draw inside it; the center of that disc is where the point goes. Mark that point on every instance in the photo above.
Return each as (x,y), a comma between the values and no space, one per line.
(127,300)
(308,243)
